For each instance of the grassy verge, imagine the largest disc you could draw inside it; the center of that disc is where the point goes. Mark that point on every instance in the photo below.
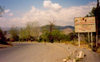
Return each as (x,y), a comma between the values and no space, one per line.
(83,44)
(4,46)
(98,50)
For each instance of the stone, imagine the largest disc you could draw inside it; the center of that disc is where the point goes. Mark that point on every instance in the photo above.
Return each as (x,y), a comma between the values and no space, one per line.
(64,60)
(80,55)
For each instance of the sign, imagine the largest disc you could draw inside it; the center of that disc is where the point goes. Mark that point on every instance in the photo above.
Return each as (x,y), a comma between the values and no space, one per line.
(85,24)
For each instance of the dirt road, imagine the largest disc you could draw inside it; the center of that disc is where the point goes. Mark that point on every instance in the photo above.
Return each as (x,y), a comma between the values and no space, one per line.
(43,52)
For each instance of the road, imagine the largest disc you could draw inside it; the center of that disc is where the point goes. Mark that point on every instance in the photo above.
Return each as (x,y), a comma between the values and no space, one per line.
(42,52)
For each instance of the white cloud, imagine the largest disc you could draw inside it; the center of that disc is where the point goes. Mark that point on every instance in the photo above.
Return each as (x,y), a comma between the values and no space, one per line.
(7,10)
(48,4)
(10,14)
(64,16)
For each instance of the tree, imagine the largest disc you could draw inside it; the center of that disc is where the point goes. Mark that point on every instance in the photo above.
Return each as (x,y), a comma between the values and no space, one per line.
(23,34)
(30,32)
(2,37)
(56,36)
(95,12)
(51,39)
(44,36)
(72,36)
(14,34)
(33,29)
(91,13)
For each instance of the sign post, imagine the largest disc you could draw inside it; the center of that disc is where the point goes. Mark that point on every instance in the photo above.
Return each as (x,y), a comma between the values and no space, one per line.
(79,39)
(91,40)
(88,37)
(85,25)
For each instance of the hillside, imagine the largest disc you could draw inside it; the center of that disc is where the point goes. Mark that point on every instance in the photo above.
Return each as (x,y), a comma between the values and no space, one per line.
(46,27)
(58,27)
(67,31)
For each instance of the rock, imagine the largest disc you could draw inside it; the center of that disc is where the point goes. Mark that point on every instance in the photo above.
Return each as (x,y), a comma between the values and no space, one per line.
(64,60)
(74,60)
(80,55)
(71,60)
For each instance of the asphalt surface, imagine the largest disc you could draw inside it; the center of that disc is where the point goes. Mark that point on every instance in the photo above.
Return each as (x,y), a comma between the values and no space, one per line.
(43,52)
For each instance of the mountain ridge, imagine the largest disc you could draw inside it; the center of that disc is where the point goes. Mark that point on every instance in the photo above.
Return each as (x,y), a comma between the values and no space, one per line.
(58,27)
(46,27)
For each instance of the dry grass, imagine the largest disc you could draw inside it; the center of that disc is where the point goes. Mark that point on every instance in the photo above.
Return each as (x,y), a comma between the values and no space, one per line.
(83,44)
(4,46)
(98,51)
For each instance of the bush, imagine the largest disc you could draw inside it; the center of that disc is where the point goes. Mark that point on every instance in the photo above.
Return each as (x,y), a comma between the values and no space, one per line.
(56,36)
(2,38)
(14,34)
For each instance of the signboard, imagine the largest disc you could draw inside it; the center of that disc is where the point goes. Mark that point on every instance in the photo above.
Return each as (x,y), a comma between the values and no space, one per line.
(85,24)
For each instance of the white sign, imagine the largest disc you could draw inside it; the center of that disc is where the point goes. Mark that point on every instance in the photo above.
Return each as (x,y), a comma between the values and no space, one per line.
(85,24)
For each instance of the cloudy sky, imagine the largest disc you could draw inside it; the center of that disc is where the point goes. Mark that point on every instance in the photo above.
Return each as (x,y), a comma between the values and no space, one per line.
(61,12)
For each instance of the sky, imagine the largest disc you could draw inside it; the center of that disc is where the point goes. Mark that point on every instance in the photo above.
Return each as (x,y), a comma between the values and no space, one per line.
(61,12)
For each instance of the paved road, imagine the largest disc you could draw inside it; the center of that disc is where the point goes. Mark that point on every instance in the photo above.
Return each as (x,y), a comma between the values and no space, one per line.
(42,52)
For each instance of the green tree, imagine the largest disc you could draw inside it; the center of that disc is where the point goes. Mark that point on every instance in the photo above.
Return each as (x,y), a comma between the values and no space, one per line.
(14,34)
(91,13)
(44,36)
(56,36)
(72,36)
(30,32)
(33,29)
(2,38)
(23,34)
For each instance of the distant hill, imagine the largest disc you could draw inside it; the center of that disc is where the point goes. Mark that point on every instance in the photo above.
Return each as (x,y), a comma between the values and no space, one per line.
(58,27)
(67,31)
(5,29)
(46,27)
(64,27)
(8,28)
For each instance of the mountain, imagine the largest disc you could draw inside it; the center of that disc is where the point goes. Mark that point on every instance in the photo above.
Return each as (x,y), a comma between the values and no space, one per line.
(46,27)
(64,27)
(5,28)
(58,27)
(67,31)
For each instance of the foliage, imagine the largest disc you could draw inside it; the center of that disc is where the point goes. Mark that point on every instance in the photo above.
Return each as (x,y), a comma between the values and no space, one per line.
(14,34)
(30,32)
(24,35)
(91,13)
(2,37)
(57,36)
(33,29)
(72,36)
(44,36)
